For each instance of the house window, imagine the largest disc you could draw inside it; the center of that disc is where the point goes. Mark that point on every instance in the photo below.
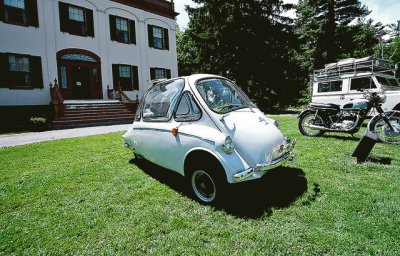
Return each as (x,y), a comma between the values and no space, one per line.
(76,14)
(158,37)
(332,86)
(19,12)
(122,30)
(64,83)
(20,71)
(95,77)
(125,76)
(159,73)
(76,20)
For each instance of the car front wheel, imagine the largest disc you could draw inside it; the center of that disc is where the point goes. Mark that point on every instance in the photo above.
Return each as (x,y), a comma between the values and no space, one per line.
(207,185)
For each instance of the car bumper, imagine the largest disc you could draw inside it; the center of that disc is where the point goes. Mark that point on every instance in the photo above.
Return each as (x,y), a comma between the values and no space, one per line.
(261,169)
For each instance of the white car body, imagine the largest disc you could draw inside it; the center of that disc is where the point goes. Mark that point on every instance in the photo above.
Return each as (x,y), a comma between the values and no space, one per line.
(258,144)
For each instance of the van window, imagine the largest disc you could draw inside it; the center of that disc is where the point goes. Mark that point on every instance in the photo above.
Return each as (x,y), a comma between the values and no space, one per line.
(332,86)
(387,81)
(362,83)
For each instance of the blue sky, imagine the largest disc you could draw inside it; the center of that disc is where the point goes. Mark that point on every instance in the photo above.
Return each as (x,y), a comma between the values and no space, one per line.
(385,11)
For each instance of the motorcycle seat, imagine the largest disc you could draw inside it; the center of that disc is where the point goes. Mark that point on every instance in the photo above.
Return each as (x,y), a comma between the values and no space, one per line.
(324,106)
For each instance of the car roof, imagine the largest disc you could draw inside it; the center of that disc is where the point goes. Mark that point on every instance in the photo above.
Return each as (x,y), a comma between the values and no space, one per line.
(192,78)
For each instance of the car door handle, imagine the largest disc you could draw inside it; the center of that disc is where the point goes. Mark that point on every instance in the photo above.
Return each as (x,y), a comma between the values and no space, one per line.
(342,97)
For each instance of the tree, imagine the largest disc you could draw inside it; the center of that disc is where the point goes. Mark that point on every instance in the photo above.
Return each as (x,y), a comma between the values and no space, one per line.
(248,41)
(395,29)
(319,26)
(360,39)
(188,57)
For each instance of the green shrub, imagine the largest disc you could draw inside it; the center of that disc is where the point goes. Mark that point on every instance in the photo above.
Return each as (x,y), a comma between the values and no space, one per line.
(38,124)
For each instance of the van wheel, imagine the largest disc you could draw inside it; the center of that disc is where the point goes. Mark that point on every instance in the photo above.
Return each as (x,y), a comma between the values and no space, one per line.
(310,119)
(207,184)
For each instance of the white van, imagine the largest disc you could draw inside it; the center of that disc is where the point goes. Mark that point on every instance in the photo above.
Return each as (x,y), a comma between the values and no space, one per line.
(340,82)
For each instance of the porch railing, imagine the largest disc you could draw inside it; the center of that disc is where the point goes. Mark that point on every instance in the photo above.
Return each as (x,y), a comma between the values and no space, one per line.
(119,94)
(57,100)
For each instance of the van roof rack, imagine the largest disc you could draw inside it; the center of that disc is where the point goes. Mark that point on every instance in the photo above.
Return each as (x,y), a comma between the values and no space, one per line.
(354,66)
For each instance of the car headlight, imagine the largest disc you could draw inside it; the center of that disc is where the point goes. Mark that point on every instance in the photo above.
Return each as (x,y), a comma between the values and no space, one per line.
(227,146)
(276,123)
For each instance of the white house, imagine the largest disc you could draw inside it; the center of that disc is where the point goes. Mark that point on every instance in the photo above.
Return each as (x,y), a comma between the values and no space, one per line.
(86,44)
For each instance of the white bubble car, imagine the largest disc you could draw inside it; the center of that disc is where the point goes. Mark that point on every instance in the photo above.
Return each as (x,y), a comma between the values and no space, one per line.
(206,129)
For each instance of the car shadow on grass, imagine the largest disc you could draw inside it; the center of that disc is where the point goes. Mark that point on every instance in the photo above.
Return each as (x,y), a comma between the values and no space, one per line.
(279,188)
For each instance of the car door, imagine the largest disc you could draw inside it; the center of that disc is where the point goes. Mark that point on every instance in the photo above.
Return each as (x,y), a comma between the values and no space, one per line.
(153,134)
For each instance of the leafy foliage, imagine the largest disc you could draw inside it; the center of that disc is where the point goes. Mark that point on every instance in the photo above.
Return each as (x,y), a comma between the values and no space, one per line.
(323,29)
(247,41)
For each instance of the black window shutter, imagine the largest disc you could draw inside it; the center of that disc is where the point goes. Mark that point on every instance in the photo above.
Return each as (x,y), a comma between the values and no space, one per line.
(150,34)
(168,71)
(166,39)
(89,23)
(152,73)
(135,78)
(132,32)
(35,64)
(63,8)
(5,71)
(1,10)
(115,71)
(32,13)
(113,29)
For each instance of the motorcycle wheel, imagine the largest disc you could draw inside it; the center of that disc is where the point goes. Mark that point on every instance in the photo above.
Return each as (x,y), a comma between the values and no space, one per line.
(383,131)
(304,125)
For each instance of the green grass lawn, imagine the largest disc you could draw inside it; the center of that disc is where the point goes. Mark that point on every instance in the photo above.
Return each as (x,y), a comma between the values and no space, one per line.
(82,196)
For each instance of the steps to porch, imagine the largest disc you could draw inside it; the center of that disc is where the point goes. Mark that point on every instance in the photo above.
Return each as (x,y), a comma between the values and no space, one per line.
(84,113)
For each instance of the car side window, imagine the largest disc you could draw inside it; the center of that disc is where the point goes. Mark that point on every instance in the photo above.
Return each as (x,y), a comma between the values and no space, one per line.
(187,109)
(331,86)
(161,99)
(358,84)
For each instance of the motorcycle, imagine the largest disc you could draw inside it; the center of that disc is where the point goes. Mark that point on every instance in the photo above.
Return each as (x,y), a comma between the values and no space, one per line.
(319,118)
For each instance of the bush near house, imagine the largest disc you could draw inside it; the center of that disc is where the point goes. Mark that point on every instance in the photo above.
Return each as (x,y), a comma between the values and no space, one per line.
(82,196)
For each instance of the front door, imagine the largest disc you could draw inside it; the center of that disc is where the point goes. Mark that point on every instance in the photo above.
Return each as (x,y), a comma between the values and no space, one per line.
(79,74)
(80,82)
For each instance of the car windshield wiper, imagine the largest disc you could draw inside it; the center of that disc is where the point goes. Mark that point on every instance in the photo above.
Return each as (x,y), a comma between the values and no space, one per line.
(232,107)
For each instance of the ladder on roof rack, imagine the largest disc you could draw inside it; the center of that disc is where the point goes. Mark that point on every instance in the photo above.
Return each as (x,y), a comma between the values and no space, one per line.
(354,66)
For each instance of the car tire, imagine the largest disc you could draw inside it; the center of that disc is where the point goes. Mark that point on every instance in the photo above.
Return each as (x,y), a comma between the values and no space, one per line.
(207,184)
(138,158)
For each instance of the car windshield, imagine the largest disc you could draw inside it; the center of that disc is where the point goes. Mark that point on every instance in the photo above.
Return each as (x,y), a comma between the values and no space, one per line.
(222,96)
(388,82)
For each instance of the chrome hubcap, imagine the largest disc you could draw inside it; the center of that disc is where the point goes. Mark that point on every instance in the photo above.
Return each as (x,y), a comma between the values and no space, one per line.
(203,186)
